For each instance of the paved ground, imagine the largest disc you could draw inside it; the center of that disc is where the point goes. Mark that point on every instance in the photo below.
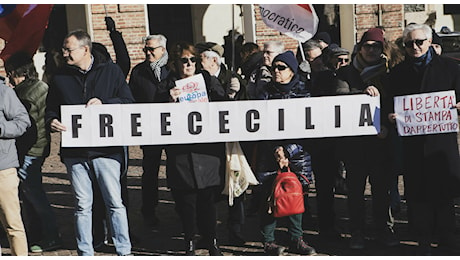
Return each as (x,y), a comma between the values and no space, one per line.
(166,239)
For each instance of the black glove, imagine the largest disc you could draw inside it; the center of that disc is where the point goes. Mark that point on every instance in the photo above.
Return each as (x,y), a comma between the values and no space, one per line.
(110,23)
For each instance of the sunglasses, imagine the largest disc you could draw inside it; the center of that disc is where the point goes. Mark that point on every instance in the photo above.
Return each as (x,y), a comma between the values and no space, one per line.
(343,59)
(417,42)
(150,49)
(280,67)
(185,60)
(368,46)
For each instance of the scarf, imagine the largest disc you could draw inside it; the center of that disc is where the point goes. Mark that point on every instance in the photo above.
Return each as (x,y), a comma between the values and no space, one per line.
(156,65)
(286,88)
(421,62)
(369,72)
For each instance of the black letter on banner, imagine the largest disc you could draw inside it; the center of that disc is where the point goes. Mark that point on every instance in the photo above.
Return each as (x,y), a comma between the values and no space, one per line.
(308,124)
(191,125)
(337,116)
(75,125)
(135,125)
(105,121)
(280,119)
(250,115)
(165,123)
(223,122)
(366,116)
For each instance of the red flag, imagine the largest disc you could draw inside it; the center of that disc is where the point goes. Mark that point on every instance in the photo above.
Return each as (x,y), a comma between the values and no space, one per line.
(22,27)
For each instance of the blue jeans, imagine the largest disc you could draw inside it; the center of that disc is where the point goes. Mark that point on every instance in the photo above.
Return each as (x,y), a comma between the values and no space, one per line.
(105,172)
(35,201)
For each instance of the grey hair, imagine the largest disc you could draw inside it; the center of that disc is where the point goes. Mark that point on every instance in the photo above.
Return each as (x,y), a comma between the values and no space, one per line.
(412,27)
(278,46)
(83,38)
(212,54)
(159,37)
(311,45)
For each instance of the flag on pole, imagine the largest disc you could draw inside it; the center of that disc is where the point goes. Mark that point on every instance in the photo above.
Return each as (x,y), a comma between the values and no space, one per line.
(22,26)
(298,21)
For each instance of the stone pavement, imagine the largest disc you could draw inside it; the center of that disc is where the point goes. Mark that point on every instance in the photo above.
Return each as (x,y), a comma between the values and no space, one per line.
(166,239)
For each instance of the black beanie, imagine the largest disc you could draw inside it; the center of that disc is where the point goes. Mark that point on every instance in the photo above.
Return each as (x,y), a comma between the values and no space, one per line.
(288,58)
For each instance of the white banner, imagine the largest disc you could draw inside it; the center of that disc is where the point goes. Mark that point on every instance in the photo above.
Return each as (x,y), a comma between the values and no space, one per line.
(429,113)
(174,123)
(298,21)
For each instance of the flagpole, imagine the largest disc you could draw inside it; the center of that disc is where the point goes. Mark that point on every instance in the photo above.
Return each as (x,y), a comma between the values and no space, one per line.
(301,51)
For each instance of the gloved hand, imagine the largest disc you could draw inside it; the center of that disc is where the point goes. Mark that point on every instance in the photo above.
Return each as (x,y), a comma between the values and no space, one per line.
(234,87)
(110,23)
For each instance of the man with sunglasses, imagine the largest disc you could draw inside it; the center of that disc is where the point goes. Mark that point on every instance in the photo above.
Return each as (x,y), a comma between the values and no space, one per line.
(431,162)
(144,82)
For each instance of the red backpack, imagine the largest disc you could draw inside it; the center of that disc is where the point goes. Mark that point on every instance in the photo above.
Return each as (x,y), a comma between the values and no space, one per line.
(287,195)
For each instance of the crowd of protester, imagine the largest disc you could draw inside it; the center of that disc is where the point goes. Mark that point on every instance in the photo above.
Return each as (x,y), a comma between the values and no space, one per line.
(86,74)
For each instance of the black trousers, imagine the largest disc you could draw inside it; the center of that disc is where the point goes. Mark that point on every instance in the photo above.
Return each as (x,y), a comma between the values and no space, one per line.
(150,165)
(196,209)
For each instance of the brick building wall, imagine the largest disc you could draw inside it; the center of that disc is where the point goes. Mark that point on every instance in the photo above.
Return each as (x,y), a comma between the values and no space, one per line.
(392,19)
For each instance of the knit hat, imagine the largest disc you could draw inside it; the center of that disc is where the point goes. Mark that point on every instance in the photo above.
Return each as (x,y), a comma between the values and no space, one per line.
(210,46)
(373,34)
(436,39)
(287,57)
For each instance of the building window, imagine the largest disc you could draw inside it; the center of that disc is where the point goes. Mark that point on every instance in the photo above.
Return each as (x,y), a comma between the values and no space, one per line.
(414,8)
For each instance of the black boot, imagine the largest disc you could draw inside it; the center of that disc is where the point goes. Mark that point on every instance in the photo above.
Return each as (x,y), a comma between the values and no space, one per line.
(214,249)
(190,248)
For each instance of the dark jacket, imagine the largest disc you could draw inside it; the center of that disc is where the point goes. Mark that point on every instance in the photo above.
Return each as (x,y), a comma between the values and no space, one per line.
(432,163)
(225,77)
(201,165)
(32,93)
(72,87)
(299,158)
(143,83)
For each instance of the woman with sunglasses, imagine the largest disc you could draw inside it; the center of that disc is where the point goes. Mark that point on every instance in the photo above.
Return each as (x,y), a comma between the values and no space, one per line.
(431,162)
(368,156)
(194,171)
(277,155)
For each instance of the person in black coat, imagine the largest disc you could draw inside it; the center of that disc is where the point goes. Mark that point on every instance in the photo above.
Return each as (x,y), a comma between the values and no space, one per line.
(144,83)
(431,162)
(194,171)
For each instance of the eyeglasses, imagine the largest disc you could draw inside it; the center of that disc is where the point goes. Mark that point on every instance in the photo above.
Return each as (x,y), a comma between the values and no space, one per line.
(185,60)
(150,49)
(67,50)
(375,46)
(343,59)
(417,42)
(280,67)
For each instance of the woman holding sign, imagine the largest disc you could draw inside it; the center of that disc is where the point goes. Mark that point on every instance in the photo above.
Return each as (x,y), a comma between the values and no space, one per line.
(431,161)
(194,171)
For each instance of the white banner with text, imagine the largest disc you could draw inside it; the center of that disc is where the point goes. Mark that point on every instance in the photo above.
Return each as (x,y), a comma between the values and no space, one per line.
(429,113)
(249,120)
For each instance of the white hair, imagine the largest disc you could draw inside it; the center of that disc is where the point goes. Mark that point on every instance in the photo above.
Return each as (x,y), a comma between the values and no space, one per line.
(412,27)
(159,37)
(212,54)
(278,46)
